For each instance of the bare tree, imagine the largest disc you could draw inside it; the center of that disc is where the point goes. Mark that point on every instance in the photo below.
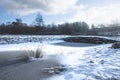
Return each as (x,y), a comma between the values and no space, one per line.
(39,20)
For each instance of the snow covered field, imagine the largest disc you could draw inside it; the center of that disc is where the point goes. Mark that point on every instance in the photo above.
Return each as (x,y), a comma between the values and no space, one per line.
(93,62)
(16,39)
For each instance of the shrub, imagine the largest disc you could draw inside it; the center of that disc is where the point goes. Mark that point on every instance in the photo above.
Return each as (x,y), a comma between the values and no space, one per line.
(30,55)
(38,53)
(116,45)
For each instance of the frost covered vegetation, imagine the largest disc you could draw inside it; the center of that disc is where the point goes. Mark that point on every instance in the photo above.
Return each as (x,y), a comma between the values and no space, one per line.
(94,40)
(32,55)
(16,39)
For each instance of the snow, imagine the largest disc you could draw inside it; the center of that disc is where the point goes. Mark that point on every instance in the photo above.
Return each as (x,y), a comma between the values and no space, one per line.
(98,62)
(91,63)
(17,39)
(25,46)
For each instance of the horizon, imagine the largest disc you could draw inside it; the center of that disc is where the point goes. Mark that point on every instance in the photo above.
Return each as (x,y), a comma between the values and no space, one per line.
(61,11)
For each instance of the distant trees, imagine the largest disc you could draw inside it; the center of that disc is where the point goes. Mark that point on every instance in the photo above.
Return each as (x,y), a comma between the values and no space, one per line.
(39,20)
(39,24)
(81,28)
(18,27)
(106,30)
(74,28)
(15,27)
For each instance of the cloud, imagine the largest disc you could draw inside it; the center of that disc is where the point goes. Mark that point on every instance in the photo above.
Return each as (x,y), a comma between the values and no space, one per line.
(97,15)
(87,11)
(25,7)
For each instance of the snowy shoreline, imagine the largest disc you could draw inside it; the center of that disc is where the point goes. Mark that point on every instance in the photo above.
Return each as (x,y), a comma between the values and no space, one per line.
(83,62)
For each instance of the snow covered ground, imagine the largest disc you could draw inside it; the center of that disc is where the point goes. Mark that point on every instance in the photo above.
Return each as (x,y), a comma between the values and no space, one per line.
(95,62)
(91,63)
(17,39)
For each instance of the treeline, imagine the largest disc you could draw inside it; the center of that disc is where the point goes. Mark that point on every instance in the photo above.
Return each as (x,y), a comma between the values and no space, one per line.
(106,30)
(81,28)
(18,27)
(39,28)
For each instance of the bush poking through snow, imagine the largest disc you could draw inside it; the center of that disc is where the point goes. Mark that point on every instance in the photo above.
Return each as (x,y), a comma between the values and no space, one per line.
(31,55)
(38,53)
(116,45)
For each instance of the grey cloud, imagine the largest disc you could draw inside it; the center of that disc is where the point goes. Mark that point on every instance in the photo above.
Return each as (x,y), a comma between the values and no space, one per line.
(24,7)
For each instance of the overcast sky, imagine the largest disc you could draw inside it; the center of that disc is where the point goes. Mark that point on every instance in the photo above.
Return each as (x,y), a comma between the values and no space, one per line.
(60,11)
